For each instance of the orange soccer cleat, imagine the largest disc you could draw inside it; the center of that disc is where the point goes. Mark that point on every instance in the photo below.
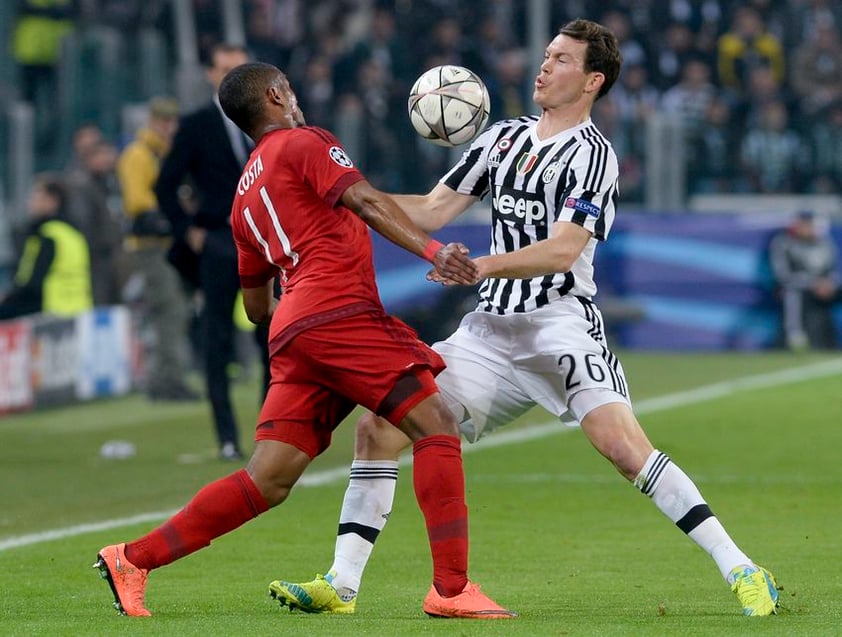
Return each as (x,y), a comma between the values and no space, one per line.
(127,581)
(471,603)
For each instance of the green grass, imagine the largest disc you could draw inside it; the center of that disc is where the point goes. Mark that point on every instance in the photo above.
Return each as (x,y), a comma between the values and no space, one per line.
(555,533)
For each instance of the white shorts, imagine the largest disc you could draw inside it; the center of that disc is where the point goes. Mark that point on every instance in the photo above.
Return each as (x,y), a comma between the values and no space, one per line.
(500,366)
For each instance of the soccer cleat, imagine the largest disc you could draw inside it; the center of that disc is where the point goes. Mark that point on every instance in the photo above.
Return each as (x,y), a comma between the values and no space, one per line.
(756,589)
(317,596)
(127,581)
(471,603)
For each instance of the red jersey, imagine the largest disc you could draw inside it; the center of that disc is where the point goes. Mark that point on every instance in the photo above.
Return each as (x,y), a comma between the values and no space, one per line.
(287,218)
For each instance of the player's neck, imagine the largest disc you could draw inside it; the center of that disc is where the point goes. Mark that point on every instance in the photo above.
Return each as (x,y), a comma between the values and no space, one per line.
(555,120)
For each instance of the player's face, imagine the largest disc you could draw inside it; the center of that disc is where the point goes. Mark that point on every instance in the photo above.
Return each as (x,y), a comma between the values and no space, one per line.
(293,113)
(562,79)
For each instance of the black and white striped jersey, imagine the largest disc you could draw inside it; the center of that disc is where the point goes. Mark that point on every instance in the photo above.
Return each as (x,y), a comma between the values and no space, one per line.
(534,183)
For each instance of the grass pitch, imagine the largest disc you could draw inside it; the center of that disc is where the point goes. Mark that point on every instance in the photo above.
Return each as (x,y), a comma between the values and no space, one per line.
(555,533)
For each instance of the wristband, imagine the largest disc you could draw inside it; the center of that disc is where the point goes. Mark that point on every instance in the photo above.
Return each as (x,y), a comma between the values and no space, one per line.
(431,249)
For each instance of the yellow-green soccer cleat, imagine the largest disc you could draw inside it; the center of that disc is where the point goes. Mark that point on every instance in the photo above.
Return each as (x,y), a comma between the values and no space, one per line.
(756,589)
(317,596)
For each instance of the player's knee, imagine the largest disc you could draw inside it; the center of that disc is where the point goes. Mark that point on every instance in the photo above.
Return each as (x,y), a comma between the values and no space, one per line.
(274,492)
(429,418)
(615,433)
(377,439)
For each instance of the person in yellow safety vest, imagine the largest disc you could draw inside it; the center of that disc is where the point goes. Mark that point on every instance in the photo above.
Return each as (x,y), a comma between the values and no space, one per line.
(36,37)
(53,273)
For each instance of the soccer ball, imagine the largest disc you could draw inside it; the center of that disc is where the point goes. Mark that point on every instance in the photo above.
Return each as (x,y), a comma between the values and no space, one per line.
(449,105)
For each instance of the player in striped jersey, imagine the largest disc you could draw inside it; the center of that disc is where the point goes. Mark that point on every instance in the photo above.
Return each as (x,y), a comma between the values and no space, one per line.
(536,337)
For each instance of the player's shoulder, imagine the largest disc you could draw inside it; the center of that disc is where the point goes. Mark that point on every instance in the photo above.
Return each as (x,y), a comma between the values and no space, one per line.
(507,126)
(595,142)
(314,134)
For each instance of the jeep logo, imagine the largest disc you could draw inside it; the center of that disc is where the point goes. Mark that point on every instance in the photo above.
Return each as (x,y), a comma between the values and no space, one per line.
(528,211)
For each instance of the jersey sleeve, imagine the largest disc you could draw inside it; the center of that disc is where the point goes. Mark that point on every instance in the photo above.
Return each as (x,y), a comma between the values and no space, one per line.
(470,175)
(253,264)
(591,191)
(324,164)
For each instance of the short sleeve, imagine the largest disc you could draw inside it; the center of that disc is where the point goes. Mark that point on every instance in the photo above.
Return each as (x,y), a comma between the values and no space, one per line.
(470,175)
(324,164)
(590,196)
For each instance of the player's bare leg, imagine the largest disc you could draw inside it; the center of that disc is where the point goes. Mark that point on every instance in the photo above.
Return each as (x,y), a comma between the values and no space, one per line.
(216,509)
(615,432)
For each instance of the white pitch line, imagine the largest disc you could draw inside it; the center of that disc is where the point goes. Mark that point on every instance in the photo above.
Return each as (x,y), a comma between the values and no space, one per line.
(498,439)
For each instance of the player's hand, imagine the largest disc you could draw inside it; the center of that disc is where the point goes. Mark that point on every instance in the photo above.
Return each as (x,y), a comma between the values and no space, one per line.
(196,238)
(453,266)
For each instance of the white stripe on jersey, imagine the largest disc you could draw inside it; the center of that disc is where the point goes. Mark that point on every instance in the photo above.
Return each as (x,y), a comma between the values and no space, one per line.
(534,183)
(279,231)
(256,232)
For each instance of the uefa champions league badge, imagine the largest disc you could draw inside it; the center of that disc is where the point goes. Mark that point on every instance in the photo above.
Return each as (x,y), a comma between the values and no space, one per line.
(340,157)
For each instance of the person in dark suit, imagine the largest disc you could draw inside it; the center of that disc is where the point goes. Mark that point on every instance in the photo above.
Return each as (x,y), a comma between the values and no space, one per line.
(210,150)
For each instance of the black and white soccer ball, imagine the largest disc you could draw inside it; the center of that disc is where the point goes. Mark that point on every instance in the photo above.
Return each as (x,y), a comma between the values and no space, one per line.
(449,105)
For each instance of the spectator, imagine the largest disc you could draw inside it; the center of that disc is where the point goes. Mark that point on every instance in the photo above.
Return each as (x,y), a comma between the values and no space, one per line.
(826,135)
(773,155)
(745,45)
(148,238)
(39,29)
(86,137)
(803,17)
(764,88)
(317,97)
(817,70)
(96,209)
(804,264)
(673,52)
(690,98)
(386,47)
(631,48)
(210,150)
(712,158)
(53,273)
(636,100)
(510,85)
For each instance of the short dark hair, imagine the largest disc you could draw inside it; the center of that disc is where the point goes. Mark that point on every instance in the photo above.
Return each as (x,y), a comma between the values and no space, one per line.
(54,185)
(603,53)
(242,89)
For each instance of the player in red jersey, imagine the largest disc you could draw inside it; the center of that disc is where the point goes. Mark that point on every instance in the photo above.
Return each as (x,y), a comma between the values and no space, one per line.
(302,211)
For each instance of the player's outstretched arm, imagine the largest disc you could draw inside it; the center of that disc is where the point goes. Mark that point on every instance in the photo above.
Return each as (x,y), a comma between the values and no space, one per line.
(437,208)
(381,213)
(554,254)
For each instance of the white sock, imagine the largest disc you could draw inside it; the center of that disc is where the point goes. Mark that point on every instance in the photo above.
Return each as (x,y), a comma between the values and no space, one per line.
(675,494)
(365,511)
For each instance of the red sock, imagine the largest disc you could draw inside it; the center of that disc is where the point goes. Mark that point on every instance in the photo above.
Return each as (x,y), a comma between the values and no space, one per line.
(217,508)
(440,489)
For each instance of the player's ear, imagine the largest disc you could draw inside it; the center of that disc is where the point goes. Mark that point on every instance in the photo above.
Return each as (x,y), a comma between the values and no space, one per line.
(595,82)
(275,95)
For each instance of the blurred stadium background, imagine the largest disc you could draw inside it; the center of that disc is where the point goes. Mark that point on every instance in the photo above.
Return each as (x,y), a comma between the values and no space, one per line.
(727,119)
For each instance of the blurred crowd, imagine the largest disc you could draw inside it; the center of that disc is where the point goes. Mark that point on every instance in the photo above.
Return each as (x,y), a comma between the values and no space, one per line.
(755,84)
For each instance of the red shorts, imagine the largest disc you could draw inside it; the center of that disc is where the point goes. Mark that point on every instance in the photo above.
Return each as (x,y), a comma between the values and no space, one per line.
(369,359)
